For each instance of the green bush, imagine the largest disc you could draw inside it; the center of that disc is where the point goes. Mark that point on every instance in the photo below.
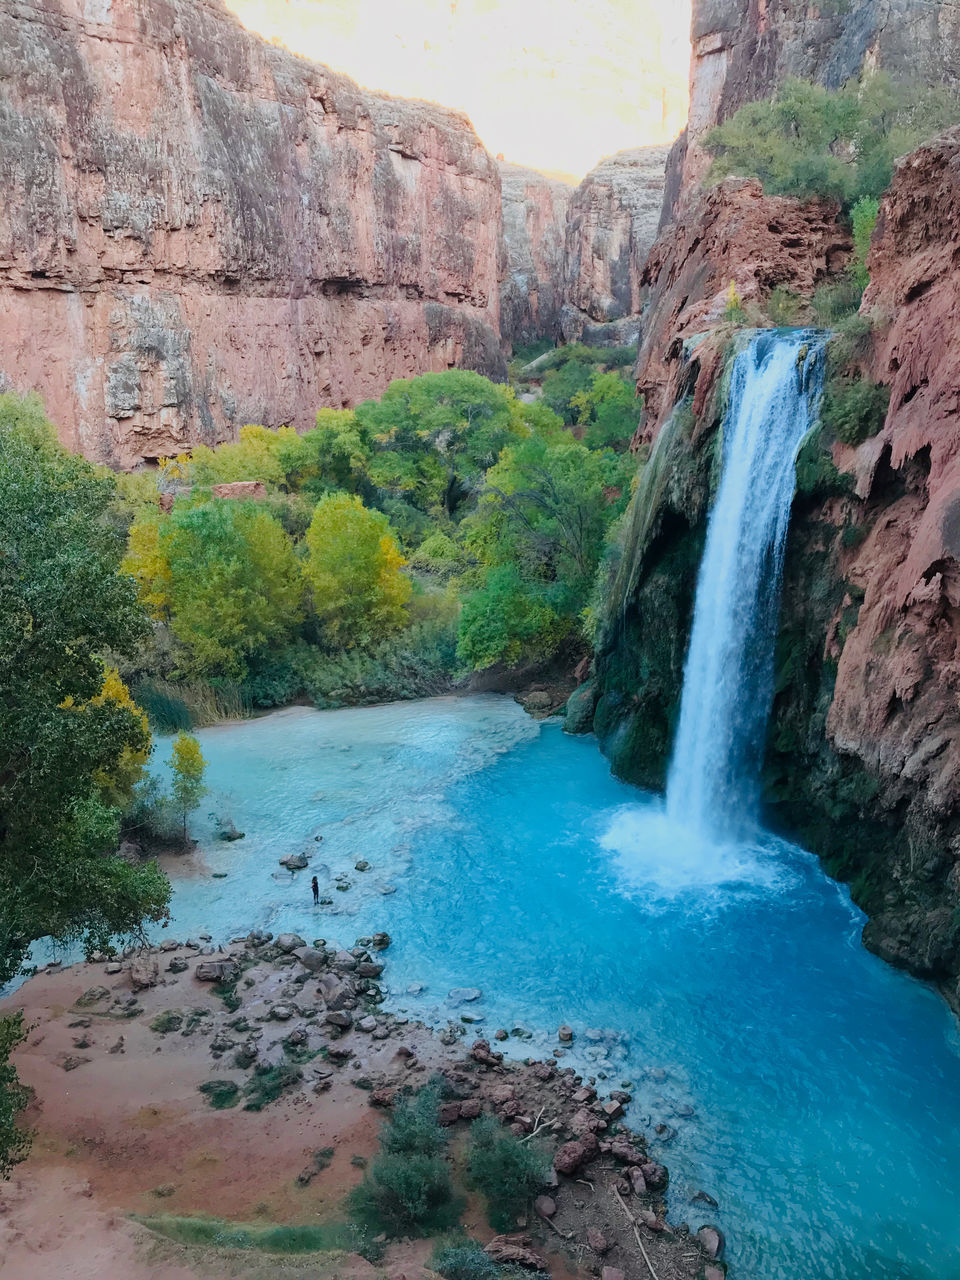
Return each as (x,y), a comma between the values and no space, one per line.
(418,662)
(406,1195)
(505,1169)
(464,1261)
(810,141)
(413,1128)
(268,1083)
(863,217)
(784,307)
(817,476)
(836,300)
(221,1094)
(854,410)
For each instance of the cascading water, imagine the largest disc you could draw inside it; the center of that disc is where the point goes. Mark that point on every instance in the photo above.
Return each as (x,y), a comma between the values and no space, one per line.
(727,689)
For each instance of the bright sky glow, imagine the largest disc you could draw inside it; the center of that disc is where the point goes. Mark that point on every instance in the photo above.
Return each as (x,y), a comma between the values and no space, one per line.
(555,84)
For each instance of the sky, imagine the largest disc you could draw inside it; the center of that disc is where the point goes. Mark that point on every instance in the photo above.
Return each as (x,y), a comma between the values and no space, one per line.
(554,84)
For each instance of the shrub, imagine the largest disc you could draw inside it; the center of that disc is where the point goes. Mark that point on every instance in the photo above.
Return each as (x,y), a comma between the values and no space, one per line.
(784,307)
(506,1170)
(863,216)
(854,410)
(836,300)
(416,663)
(216,1233)
(464,1261)
(412,1128)
(221,1094)
(406,1194)
(268,1083)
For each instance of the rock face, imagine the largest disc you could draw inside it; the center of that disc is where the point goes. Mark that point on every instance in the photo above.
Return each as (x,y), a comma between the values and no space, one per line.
(863,751)
(198,229)
(534,211)
(743,49)
(730,232)
(612,221)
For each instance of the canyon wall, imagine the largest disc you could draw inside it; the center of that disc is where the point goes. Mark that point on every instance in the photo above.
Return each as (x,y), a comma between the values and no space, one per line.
(743,49)
(612,222)
(534,213)
(199,229)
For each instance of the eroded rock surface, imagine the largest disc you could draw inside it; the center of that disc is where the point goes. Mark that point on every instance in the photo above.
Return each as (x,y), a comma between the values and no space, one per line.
(534,210)
(199,229)
(612,222)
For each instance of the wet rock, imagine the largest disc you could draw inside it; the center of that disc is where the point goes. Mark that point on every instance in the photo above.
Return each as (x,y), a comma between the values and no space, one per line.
(380,941)
(294,861)
(626,1152)
(464,995)
(565,1034)
(225,971)
(362,865)
(702,1197)
(227,830)
(289,942)
(711,1240)
(711,1272)
(369,969)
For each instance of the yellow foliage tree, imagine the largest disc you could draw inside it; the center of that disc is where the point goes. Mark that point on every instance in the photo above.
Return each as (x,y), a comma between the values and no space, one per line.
(147,564)
(116,784)
(354,568)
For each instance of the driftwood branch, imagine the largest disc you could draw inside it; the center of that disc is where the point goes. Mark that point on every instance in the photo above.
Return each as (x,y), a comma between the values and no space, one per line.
(636,1232)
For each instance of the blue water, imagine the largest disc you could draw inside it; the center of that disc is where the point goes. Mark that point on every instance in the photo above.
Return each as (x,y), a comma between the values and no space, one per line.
(826,1086)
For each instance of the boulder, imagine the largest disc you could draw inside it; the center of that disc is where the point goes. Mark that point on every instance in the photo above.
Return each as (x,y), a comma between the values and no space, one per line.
(464,995)
(711,1240)
(565,1034)
(655,1175)
(312,959)
(571,1156)
(380,941)
(92,995)
(344,962)
(227,831)
(144,972)
(545,1207)
(289,942)
(294,861)
(282,1012)
(217,971)
(335,992)
(341,1018)
(581,705)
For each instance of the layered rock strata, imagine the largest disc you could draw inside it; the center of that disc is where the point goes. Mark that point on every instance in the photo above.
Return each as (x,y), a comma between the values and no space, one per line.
(611,224)
(198,229)
(534,212)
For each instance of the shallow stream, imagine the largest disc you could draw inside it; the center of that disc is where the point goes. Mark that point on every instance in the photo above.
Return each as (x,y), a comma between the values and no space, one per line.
(728,982)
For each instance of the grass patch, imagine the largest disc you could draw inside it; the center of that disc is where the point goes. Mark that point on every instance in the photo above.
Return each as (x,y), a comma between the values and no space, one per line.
(221,1094)
(216,1233)
(227,991)
(169,1020)
(267,1084)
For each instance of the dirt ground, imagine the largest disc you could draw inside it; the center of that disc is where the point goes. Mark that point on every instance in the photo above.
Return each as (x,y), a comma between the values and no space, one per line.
(121,1129)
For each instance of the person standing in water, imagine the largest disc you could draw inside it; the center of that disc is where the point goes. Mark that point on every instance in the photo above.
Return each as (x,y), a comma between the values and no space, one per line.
(316,891)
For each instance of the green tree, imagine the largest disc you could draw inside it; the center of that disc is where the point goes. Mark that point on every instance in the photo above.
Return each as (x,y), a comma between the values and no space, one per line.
(436,435)
(187,766)
(354,568)
(63,604)
(607,410)
(809,141)
(235,585)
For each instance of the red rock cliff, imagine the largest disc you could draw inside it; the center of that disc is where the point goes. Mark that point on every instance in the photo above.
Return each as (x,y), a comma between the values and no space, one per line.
(198,229)
(534,211)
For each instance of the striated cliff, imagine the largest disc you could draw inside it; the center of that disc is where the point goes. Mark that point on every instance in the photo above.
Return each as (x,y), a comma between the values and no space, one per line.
(198,229)
(534,213)
(612,221)
(741,50)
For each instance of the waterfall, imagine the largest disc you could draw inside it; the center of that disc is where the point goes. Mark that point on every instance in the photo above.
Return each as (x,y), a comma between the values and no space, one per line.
(728,679)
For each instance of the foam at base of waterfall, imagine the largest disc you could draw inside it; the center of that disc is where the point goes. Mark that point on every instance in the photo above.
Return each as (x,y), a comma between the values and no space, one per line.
(667,863)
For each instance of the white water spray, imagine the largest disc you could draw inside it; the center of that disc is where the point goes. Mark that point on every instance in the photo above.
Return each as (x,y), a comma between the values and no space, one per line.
(727,687)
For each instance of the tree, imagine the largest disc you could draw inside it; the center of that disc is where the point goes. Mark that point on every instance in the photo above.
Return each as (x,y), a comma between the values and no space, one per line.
(607,410)
(63,604)
(436,435)
(808,141)
(354,568)
(187,765)
(235,584)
